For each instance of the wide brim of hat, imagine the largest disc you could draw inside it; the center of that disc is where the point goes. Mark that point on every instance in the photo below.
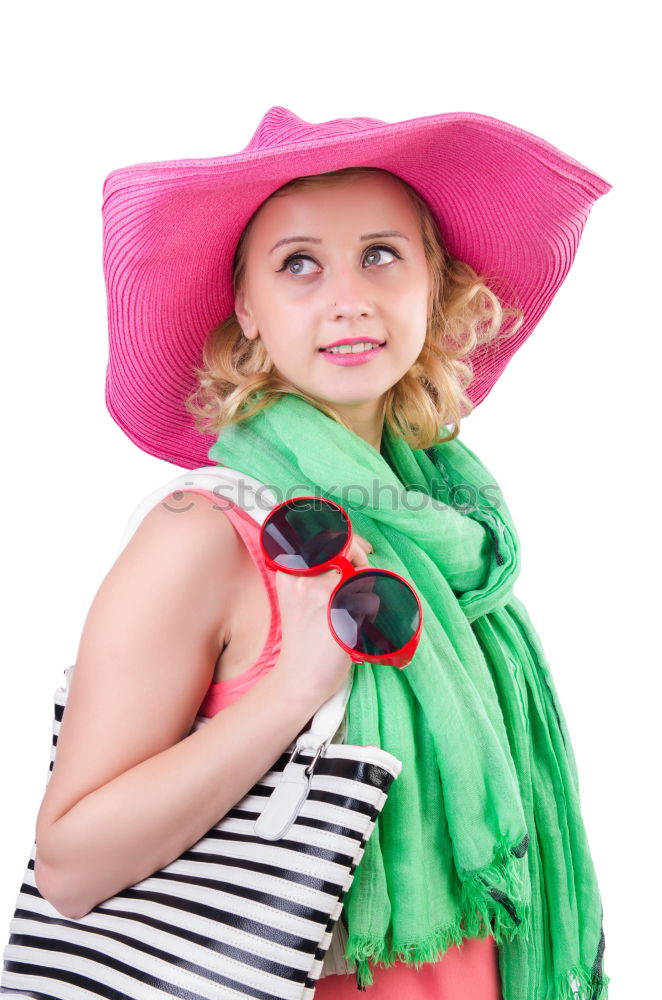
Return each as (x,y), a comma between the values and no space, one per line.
(507,202)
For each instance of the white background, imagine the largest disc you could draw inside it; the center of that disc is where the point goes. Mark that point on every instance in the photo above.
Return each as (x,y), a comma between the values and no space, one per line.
(569,432)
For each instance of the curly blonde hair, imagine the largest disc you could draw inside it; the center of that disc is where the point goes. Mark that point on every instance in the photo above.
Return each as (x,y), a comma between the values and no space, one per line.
(462,313)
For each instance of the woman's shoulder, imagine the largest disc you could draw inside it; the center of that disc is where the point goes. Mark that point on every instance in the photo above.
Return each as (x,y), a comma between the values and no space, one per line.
(215,491)
(186,532)
(186,535)
(189,514)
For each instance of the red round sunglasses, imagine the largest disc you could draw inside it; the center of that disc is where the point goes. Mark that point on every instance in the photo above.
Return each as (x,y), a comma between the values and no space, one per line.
(375,615)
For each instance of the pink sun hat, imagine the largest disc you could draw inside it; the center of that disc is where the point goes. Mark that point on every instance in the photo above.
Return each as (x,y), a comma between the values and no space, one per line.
(506,202)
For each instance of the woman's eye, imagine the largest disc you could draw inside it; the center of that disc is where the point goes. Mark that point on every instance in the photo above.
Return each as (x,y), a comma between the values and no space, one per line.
(380,251)
(371,253)
(295,258)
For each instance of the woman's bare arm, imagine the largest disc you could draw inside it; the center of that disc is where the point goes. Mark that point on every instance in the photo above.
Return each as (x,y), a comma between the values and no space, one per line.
(130,790)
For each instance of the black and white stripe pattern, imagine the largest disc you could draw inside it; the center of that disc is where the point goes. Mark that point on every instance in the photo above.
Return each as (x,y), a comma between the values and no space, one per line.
(236,916)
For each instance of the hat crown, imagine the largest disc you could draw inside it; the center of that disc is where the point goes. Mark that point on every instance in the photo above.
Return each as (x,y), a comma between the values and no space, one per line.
(281,127)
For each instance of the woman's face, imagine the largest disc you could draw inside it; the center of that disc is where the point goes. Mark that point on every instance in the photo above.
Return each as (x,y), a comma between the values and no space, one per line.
(345,262)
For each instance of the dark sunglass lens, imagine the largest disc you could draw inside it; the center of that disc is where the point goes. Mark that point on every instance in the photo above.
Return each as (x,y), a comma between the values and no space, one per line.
(375,613)
(305,533)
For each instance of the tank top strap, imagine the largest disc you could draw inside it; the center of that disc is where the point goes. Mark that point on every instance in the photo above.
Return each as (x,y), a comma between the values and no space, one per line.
(249,530)
(222,693)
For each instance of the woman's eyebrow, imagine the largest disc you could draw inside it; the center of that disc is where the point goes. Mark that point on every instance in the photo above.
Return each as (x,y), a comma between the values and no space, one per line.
(313,239)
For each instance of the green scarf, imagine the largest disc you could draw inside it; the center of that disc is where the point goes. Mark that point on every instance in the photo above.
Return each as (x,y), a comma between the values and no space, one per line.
(482,831)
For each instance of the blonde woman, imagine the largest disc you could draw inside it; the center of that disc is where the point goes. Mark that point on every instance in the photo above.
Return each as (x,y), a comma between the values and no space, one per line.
(316,312)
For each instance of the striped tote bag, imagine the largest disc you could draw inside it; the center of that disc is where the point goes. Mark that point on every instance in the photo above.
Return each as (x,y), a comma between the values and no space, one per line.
(248,911)
(252,909)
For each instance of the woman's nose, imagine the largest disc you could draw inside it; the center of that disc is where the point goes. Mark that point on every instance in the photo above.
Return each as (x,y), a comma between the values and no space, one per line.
(348,294)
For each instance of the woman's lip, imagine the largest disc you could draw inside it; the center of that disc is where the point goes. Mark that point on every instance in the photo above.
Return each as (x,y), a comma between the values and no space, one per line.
(353,359)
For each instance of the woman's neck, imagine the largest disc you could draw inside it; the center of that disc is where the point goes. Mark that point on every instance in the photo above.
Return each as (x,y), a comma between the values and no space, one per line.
(364,419)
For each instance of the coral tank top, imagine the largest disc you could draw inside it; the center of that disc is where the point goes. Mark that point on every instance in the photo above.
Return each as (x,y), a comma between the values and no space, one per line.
(469,972)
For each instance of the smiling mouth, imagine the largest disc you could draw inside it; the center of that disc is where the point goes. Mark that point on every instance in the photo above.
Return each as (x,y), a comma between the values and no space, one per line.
(352,348)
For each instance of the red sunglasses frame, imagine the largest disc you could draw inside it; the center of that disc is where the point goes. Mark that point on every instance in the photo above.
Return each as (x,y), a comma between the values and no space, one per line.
(400,658)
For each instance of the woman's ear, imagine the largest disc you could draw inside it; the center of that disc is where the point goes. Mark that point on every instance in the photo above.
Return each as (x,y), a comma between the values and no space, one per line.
(245,316)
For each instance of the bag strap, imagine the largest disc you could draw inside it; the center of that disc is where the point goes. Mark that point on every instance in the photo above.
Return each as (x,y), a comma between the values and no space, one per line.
(244,491)
(257,500)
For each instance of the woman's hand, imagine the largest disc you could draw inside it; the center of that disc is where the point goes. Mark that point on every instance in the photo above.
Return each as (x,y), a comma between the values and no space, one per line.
(311,660)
